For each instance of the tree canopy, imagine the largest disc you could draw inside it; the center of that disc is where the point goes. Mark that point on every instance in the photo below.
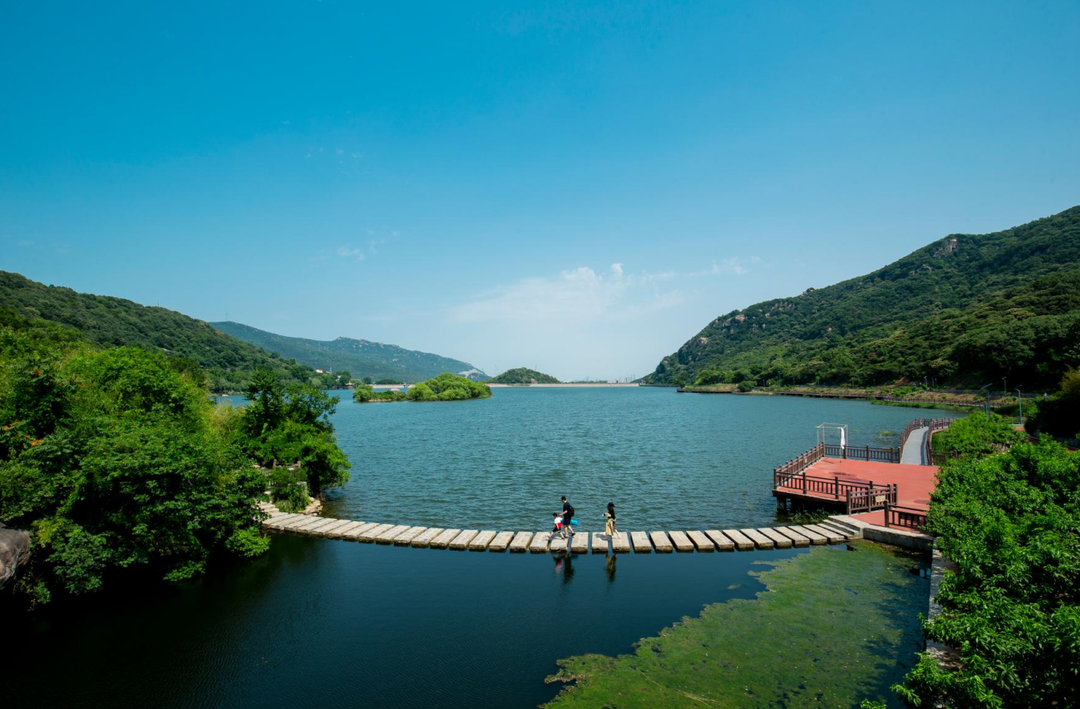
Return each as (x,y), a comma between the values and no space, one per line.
(1012,609)
(445,387)
(116,459)
(523,375)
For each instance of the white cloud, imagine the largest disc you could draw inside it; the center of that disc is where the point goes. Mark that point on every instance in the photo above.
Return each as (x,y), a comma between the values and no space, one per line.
(734,264)
(356,255)
(578,295)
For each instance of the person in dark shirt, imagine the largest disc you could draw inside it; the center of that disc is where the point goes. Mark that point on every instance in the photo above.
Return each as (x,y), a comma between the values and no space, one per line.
(567,516)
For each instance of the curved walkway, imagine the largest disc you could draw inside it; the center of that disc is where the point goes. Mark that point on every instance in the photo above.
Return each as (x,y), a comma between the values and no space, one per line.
(827,532)
(914,452)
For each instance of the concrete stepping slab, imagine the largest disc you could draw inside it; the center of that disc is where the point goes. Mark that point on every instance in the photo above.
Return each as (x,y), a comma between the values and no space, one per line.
(501,541)
(424,538)
(641,542)
(369,536)
(778,539)
(830,534)
(387,537)
(406,537)
(461,541)
(814,537)
(354,534)
(681,541)
(742,542)
(480,541)
(797,539)
(444,539)
(759,539)
(520,542)
(701,541)
(540,542)
(722,542)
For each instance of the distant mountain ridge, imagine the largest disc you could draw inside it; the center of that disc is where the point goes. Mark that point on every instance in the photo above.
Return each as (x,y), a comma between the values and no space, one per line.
(362,358)
(966,309)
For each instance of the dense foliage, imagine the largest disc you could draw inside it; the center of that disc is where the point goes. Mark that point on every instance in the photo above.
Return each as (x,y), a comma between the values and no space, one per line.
(445,387)
(978,435)
(116,459)
(364,358)
(110,322)
(290,423)
(523,375)
(1060,414)
(1010,521)
(965,309)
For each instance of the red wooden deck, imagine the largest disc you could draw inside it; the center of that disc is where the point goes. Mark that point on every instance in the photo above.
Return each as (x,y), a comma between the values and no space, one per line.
(914,483)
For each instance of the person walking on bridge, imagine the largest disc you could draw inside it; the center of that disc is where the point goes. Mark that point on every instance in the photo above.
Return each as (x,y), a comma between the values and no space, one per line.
(567,517)
(609,525)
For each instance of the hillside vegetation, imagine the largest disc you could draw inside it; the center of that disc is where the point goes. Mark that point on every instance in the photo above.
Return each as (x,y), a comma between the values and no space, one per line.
(114,322)
(115,459)
(523,375)
(966,309)
(360,357)
(445,387)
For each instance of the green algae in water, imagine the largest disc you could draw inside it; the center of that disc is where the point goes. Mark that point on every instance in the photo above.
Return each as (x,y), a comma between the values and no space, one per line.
(835,627)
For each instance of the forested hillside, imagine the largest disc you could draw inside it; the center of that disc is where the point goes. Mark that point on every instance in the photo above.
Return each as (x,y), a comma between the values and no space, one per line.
(523,375)
(966,309)
(360,357)
(113,322)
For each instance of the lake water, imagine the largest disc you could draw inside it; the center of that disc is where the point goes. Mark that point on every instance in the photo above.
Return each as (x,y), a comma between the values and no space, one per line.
(667,460)
(333,623)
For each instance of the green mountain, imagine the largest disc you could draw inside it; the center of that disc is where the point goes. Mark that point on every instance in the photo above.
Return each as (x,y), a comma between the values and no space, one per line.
(360,357)
(109,322)
(967,309)
(523,375)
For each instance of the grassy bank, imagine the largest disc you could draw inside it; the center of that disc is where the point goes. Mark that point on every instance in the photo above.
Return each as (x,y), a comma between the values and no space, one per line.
(834,628)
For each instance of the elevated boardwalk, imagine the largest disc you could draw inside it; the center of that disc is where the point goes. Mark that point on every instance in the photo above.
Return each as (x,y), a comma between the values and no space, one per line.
(883,487)
(681,541)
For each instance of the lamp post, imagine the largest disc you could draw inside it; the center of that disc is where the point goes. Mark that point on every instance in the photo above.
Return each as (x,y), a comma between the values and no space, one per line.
(986,390)
(1020,404)
(1004,387)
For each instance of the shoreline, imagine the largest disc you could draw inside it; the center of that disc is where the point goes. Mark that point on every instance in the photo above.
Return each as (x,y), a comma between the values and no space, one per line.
(565,386)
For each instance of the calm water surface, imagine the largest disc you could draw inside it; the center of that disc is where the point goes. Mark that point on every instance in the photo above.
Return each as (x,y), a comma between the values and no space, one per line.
(333,623)
(667,460)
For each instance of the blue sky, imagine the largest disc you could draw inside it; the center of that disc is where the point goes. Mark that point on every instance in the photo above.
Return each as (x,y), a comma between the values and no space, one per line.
(578,187)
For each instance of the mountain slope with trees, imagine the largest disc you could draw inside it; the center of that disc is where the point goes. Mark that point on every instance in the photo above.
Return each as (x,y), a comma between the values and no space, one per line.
(523,375)
(966,309)
(105,321)
(360,357)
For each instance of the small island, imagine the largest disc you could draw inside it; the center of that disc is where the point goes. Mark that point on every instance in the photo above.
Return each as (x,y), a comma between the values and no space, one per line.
(445,387)
(523,375)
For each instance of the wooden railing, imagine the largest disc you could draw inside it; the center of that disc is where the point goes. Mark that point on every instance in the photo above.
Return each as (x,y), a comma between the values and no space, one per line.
(884,455)
(870,498)
(800,462)
(905,517)
(928,447)
(819,485)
